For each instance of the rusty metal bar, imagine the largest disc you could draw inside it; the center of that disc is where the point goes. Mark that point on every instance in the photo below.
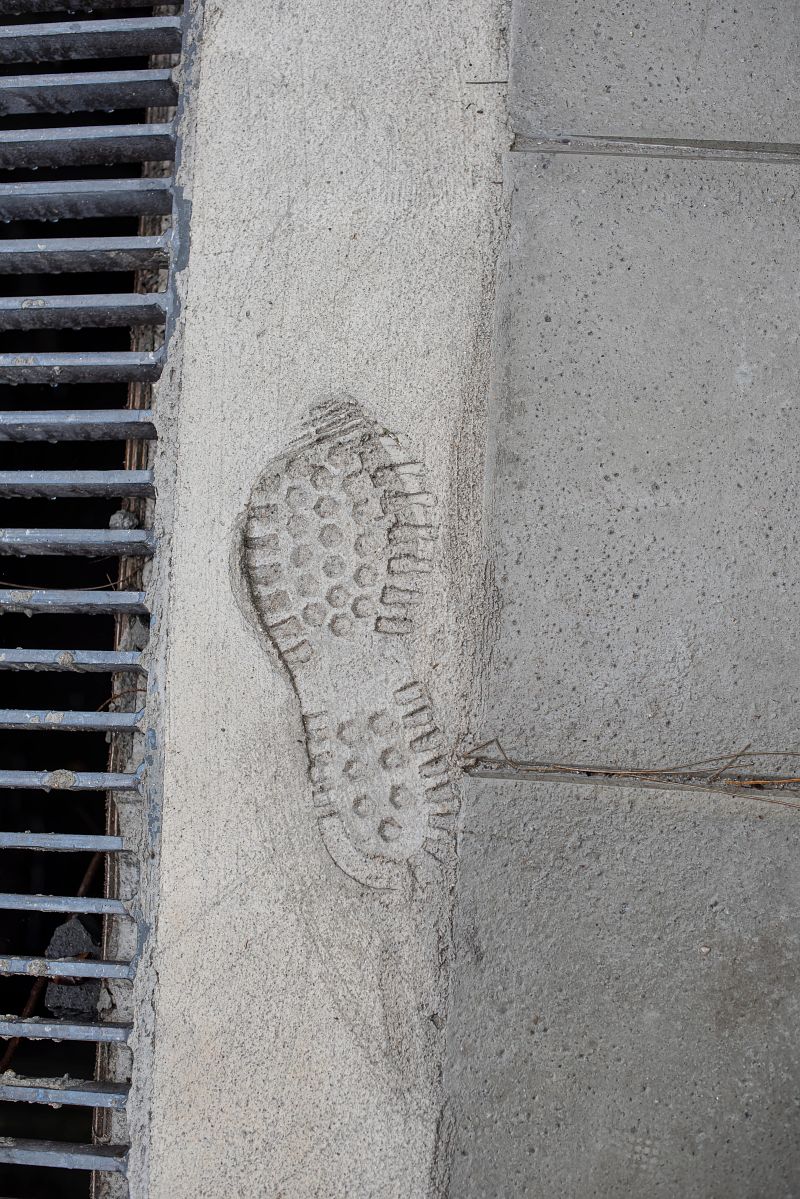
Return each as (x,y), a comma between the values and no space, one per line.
(93,311)
(89,603)
(130,543)
(52,484)
(124,424)
(54,200)
(35,1028)
(120,367)
(64,41)
(53,720)
(93,661)
(86,144)
(21,95)
(62,842)
(43,256)
(68,780)
(87,904)
(60,1155)
(72,1092)
(29,7)
(65,967)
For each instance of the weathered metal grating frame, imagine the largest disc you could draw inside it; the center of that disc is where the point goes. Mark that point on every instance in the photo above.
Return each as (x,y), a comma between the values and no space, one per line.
(149,316)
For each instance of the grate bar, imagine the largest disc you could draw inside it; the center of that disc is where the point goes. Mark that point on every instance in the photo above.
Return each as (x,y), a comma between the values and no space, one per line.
(91,198)
(63,1156)
(65,41)
(67,780)
(91,603)
(54,484)
(129,424)
(72,1092)
(92,661)
(53,720)
(61,842)
(88,144)
(130,543)
(119,367)
(34,1028)
(94,311)
(41,97)
(21,95)
(65,968)
(24,256)
(86,904)
(12,7)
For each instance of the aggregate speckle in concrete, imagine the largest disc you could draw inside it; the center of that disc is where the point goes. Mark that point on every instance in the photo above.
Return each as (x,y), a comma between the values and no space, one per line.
(643,484)
(626,1004)
(688,69)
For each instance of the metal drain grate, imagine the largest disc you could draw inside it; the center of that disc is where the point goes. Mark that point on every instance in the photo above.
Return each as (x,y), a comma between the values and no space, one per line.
(87,139)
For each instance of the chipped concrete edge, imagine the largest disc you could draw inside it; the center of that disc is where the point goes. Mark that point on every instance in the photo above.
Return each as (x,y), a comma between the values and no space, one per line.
(166,399)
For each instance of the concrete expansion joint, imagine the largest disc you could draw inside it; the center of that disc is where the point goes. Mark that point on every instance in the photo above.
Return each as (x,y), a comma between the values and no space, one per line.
(717,775)
(662,147)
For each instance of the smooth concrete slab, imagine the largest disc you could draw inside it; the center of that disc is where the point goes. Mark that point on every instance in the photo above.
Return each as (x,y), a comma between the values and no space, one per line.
(644,507)
(701,69)
(625,1009)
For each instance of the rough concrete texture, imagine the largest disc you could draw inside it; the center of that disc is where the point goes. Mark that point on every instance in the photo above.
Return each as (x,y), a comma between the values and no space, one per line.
(626,1001)
(346,210)
(643,479)
(627,961)
(696,69)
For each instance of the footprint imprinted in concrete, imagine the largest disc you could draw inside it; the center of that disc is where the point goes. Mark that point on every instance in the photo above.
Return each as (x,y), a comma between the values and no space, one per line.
(338,541)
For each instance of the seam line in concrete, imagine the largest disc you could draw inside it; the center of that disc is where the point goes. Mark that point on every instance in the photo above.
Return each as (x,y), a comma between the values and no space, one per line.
(751,152)
(539,773)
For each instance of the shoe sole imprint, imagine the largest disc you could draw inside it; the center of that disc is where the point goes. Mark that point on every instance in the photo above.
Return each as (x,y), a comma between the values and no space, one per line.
(338,539)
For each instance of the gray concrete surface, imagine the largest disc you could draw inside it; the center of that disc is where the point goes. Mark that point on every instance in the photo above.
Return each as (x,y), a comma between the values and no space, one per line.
(643,476)
(345,218)
(626,1002)
(618,1017)
(688,69)
(625,995)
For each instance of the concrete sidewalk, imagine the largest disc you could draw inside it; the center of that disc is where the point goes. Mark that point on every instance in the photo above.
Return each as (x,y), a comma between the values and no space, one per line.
(625,1009)
(588,992)
(642,484)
